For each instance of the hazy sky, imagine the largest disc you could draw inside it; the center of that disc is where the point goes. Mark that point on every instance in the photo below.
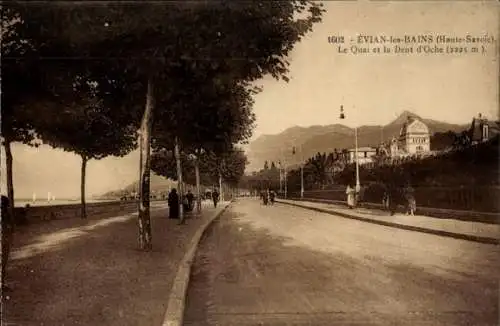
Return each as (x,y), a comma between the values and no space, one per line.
(374,89)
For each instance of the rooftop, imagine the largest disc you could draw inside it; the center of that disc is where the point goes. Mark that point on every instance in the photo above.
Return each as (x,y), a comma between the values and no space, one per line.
(363,149)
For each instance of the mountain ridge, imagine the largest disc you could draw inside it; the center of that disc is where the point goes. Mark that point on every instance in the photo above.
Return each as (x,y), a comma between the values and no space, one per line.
(317,138)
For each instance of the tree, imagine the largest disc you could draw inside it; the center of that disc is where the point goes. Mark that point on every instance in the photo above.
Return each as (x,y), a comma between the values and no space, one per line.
(219,115)
(461,141)
(273,166)
(442,140)
(140,43)
(87,128)
(20,81)
(266,166)
(233,167)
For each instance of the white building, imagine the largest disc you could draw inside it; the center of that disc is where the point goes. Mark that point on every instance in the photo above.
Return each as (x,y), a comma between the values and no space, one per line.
(365,155)
(414,139)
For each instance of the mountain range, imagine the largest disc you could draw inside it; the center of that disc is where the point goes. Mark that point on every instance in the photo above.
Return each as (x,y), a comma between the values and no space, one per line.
(311,140)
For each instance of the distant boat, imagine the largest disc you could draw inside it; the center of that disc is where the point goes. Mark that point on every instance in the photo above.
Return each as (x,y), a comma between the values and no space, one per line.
(34,197)
(49,196)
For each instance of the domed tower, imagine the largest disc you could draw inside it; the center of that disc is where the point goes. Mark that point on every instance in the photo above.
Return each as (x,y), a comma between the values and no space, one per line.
(414,137)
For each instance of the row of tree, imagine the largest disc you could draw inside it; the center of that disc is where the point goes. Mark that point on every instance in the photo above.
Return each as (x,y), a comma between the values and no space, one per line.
(177,79)
(327,170)
(318,171)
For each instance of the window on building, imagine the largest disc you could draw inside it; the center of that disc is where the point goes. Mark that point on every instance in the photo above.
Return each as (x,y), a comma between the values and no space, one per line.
(420,148)
(366,154)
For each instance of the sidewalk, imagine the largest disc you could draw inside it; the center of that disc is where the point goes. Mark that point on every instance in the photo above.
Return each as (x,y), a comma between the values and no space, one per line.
(466,230)
(77,272)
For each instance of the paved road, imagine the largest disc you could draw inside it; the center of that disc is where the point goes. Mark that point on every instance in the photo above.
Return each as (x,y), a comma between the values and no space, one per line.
(282,265)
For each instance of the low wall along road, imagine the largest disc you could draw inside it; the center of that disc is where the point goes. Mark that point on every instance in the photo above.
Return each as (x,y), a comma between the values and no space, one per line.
(35,214)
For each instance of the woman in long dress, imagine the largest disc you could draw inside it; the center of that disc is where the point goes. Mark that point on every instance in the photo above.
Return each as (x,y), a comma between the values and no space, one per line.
(351,200)
(173,204)
(411,204)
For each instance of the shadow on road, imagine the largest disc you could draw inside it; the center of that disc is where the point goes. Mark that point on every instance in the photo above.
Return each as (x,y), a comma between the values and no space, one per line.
(96,276)
(243,275)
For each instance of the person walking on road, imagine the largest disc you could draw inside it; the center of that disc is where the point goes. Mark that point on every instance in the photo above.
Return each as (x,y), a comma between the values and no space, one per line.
(190,200)
(265,197)
(394,196)
(173,204)
(272,196)
(385,199)
(411,204)
(215,197)
(351,199)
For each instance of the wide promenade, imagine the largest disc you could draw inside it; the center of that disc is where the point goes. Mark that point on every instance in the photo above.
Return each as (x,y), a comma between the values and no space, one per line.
(70,271)
(284,265)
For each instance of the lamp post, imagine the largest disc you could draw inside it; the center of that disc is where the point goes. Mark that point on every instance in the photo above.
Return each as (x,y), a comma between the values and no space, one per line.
(281,177)
(283,161)
(342,116)
(301,171)
(284,177)
(302,181)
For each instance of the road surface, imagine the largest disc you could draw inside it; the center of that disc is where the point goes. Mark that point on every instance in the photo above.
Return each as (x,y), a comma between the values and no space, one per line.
(283,265)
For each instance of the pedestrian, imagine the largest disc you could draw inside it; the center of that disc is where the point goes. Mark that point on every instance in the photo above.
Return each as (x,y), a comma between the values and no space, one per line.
(385,200)
(351,193)
(190,199)
(215,197)
(411,204)
(173,204)
(394,197)
(266,197)
(272,196)
(7,235)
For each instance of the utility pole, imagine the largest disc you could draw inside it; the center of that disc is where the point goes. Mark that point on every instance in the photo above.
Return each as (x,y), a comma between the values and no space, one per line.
(180,183)
(286,185)
(302,172)
(358,184)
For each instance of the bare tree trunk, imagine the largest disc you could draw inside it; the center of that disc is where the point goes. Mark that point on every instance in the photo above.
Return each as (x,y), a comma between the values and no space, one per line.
(10,180)
(179,179)
(82,186)
(198,186)
(7,227)
(145,169)
(220,188)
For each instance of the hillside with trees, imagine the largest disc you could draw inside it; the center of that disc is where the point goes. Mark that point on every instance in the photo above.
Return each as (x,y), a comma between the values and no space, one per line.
(324,139)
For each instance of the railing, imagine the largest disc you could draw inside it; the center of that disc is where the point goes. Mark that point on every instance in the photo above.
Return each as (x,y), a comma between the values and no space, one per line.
(480,199)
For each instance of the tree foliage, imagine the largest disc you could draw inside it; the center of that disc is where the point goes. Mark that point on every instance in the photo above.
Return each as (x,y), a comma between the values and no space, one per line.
(231,165)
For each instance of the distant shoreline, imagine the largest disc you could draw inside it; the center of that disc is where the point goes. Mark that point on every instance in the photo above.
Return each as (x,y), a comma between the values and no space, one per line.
(21,202)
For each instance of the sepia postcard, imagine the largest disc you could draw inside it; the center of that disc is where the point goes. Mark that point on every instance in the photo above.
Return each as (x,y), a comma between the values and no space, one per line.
(250,162)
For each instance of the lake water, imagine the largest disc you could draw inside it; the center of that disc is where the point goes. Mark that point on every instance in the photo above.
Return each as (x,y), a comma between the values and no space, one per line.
(23,202)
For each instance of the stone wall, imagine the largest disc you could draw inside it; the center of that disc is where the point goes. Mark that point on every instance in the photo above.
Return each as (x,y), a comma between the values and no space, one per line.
(35,214)
(476,199)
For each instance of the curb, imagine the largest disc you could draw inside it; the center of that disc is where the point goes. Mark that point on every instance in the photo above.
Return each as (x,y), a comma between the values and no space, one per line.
(461,236)
(174,314)
(460,215)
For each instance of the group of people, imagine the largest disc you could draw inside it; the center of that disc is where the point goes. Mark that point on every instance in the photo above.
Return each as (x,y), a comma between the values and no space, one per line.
(268,196)
(187,202)
(392,197)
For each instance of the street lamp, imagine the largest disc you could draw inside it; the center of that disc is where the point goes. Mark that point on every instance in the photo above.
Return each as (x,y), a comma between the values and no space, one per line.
(285,186)
(301,171)
(342,116)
